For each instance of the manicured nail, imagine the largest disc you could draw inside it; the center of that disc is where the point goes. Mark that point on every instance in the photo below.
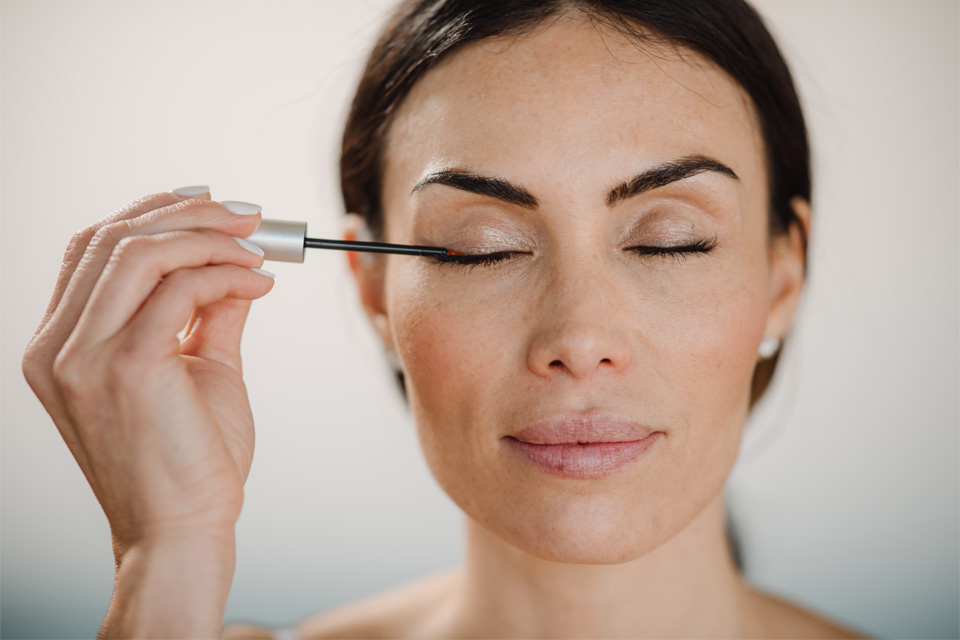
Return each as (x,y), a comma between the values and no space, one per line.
(241,208)
(249,246)
(189,192)
(263,272)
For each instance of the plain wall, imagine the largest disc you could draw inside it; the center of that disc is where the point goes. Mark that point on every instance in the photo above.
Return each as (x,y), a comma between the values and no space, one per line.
(847,493)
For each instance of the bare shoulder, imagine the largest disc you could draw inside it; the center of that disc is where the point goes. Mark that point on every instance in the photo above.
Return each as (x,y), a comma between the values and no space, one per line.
(777,618)
(411,610)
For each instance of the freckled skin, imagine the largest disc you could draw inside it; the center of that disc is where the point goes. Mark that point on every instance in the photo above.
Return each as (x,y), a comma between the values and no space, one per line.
(668,342)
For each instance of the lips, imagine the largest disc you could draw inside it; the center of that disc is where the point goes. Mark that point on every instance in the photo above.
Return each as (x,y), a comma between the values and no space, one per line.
(591,446)
(597,427)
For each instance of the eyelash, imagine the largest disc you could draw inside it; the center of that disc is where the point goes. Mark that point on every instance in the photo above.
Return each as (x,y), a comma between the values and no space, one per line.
(488,259)
(475,259)
(681,252)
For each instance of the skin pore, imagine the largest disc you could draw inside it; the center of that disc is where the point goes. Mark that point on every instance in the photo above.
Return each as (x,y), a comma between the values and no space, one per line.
(623,194)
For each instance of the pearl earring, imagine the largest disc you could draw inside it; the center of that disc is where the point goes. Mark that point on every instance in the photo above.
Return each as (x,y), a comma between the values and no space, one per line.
(768,347)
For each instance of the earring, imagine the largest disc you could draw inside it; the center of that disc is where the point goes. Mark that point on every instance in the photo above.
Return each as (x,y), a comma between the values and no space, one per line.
(768,347)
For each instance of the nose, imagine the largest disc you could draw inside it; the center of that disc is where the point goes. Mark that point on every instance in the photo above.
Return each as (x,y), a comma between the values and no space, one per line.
(580,328)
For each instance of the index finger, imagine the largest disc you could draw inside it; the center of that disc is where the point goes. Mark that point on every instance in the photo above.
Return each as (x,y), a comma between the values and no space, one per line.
(80,240)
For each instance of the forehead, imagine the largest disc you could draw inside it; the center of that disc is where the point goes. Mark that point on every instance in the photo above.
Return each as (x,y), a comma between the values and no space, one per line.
(571,102)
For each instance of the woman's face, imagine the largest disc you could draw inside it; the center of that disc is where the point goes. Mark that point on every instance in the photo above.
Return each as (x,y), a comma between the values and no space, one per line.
(533,146)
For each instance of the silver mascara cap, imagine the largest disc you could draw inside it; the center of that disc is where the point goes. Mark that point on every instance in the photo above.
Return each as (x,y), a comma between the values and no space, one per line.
(281,240)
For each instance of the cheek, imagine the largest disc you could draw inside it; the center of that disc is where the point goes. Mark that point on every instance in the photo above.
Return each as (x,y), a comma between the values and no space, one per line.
(444,341)
(457,352)
(707,359)
(711,343)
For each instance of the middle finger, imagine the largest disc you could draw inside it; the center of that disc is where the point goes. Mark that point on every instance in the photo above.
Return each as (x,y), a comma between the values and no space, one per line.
(185,214)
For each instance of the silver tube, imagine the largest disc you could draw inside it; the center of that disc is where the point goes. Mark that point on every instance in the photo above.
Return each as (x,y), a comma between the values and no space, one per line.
(281,240)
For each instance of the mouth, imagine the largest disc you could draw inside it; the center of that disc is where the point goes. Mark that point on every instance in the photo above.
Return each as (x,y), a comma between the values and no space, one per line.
(577,446)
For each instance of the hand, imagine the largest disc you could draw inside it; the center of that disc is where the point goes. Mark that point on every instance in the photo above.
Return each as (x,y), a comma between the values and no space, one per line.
(160,427)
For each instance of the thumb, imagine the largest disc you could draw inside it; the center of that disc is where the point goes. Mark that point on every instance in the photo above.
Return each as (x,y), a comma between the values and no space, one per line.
(216,332)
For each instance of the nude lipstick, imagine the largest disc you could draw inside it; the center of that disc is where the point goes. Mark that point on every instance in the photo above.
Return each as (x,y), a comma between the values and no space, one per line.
(583,447)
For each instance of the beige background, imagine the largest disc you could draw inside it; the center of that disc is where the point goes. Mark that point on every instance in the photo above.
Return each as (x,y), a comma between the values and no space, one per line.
(848,492)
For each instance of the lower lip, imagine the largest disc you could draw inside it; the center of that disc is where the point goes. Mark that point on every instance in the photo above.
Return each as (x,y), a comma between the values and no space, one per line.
(593,460)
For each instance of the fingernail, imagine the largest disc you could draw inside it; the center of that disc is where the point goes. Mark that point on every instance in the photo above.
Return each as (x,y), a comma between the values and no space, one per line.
(249,246)
(263,272)
(189,192)
(241,208)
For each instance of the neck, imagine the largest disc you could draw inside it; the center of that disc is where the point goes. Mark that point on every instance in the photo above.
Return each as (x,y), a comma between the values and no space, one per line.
(687,587)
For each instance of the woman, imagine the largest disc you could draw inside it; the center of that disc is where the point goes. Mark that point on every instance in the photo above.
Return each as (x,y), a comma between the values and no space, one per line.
(629,185)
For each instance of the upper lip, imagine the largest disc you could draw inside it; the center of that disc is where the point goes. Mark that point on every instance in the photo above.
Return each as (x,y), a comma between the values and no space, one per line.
(583,429)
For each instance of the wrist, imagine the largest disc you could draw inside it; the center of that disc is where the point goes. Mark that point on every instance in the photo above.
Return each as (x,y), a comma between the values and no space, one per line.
(155,540)
(172,585)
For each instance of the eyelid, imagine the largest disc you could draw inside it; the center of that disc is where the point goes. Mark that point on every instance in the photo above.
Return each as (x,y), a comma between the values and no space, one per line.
(664,219)
(477,236)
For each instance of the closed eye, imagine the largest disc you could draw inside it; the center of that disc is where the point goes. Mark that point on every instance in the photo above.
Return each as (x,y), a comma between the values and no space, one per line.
(475,259)
(676,251)
(488,259)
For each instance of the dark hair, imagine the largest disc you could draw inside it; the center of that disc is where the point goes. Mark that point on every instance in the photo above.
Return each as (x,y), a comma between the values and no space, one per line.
(730,33)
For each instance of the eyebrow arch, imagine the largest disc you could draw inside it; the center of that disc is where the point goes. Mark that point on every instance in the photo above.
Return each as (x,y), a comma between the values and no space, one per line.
(663,174)
(653,178)
(482,185)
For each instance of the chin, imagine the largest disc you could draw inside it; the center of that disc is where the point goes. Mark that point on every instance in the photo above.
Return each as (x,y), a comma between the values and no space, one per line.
(585,529)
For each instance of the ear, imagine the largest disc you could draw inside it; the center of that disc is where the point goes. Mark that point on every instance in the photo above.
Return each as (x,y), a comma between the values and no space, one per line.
(368,273)
(788,264)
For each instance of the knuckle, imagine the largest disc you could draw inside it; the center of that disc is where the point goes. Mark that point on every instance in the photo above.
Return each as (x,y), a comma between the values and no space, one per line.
(67,373)
(130,249)
(79,242)
(190,209)
(82,236)
(154,199)
(130,244)
(32,365)
(183,205)
(37,368)
(38,358)
(110,233)
(146,203)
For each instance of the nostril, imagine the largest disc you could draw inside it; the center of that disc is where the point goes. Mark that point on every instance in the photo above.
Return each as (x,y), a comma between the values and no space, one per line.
(558,364)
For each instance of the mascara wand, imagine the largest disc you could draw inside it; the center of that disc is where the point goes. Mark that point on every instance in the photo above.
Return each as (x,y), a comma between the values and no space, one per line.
(287,241)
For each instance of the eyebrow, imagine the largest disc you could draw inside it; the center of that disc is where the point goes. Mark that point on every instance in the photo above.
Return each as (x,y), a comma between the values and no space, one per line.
(666,173)
(482,185)
(652,178)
